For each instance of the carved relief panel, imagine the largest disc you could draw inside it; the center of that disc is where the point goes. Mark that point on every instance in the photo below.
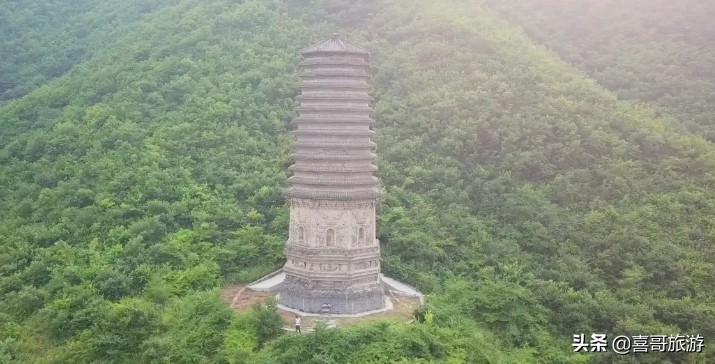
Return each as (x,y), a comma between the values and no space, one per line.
(366,265)
(332,223)
(316,221)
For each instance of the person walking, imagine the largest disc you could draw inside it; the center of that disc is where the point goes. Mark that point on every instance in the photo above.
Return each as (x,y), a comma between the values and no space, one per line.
(297,323)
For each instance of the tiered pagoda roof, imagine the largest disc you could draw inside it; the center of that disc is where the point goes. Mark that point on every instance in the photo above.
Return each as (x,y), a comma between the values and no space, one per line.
(333,158)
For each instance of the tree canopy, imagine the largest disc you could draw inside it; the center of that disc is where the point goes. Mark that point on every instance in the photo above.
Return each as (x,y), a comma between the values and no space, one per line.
(144,149)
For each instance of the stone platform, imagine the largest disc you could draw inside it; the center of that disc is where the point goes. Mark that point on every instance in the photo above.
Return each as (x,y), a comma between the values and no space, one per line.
(392,290)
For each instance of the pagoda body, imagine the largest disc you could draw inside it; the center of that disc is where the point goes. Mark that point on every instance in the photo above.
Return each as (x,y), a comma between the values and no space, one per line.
(333,256)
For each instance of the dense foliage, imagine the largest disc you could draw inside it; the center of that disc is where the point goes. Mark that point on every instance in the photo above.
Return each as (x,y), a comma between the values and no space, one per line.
(653,51)
(145,172)
(44,40)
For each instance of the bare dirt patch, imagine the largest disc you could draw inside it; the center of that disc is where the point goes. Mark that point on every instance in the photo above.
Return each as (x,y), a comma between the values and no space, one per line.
(403,309)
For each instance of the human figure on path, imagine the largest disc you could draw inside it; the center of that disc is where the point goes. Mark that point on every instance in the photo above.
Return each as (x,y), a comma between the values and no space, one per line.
(297,323)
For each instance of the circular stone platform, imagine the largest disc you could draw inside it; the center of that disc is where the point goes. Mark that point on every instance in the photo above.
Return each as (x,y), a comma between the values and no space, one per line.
(401,302)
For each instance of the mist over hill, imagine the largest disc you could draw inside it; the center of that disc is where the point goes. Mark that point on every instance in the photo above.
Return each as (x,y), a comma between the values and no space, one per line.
(144,149)
(654,52)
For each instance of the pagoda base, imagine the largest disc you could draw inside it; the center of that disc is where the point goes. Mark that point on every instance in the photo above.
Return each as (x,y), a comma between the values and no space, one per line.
(349,301)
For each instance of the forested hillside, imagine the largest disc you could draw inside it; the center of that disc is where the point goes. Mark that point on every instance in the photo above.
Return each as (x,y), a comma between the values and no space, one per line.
(530,202)
(653,51)
(43,40)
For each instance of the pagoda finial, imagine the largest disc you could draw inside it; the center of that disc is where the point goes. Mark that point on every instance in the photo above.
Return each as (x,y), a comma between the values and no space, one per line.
(334,44)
